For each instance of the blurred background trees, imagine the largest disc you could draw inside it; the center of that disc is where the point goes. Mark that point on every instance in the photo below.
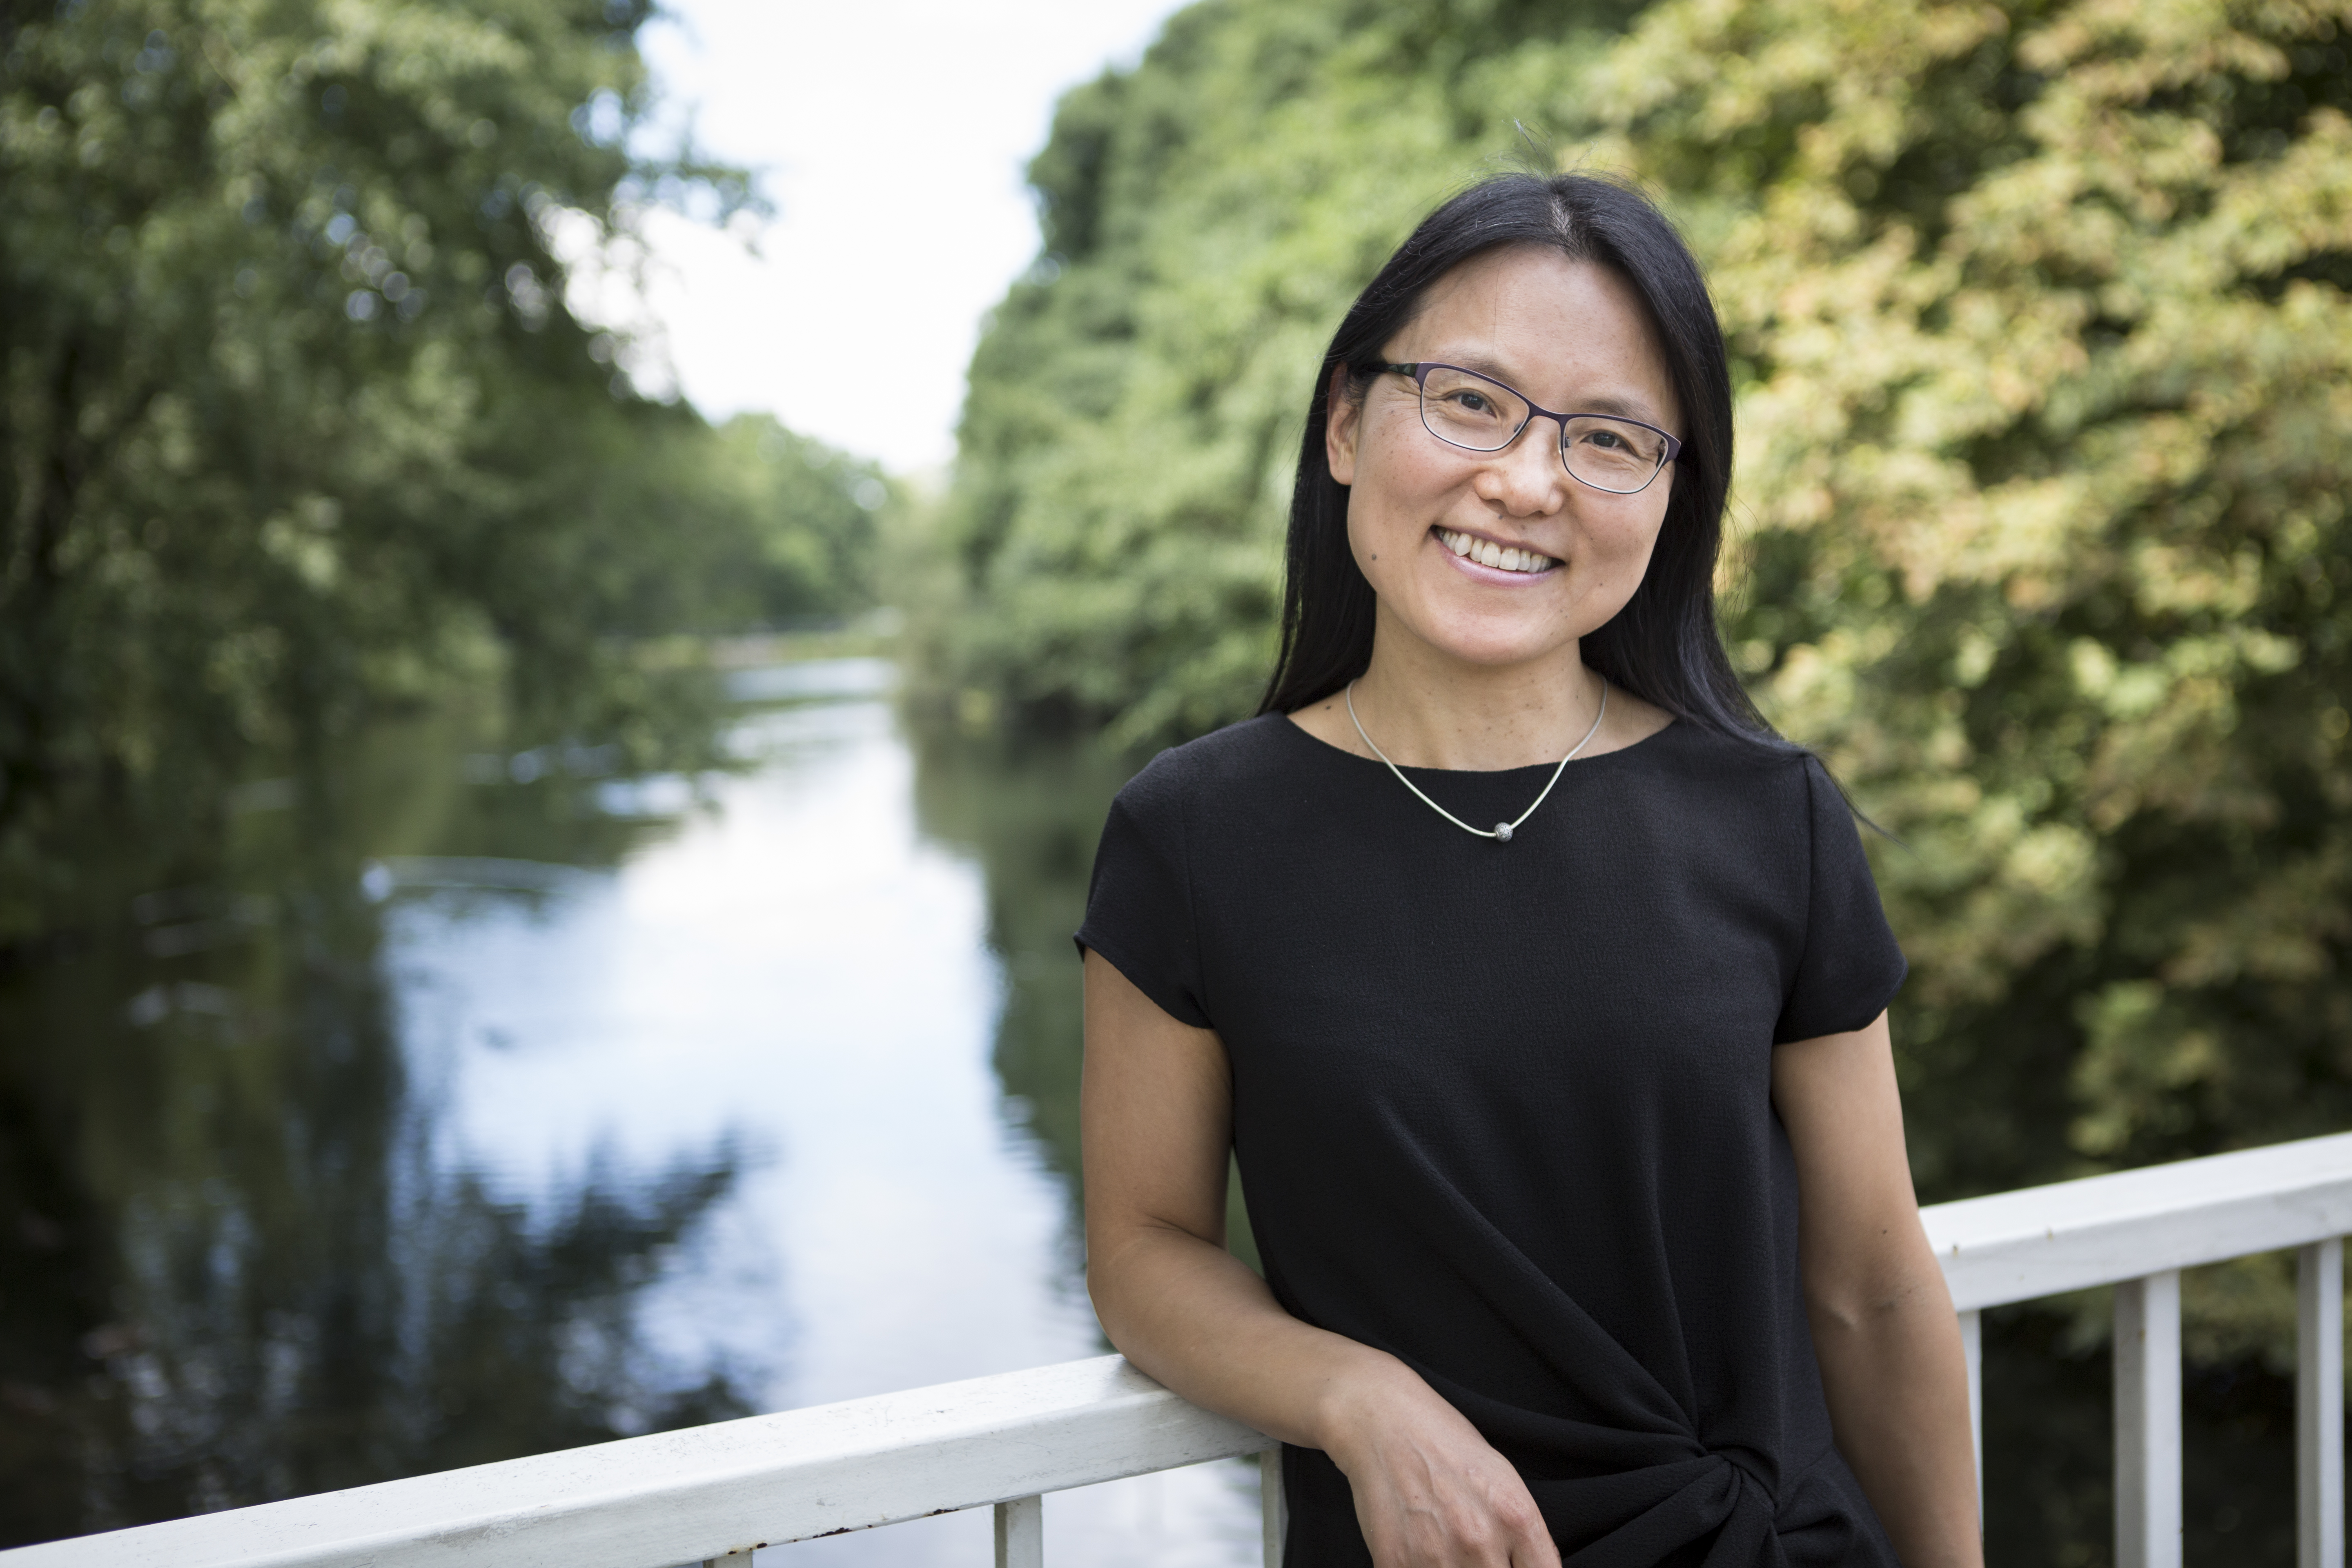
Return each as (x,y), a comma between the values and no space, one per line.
(310,481)
(2040,323)
(2047,360)
(2039,313)
(296,421)
(1127,448)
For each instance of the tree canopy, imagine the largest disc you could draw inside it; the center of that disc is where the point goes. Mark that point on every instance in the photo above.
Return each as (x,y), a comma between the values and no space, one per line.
(1126,449)
(294,419)
(2047,359)
(2041,329)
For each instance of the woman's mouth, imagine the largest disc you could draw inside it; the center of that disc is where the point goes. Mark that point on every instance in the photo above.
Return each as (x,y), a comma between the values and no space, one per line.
(1486,553)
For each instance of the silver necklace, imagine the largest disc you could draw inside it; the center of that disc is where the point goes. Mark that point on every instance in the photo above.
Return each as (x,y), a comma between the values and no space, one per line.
(1501,832)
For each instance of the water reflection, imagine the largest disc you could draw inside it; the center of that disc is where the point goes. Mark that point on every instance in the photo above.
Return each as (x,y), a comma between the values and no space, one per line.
(474,1104)
(469,1104)
(817,967)
(1030,814)
(234,1269)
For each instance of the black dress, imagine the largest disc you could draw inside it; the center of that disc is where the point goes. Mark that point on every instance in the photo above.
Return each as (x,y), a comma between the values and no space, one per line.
(1503,1110)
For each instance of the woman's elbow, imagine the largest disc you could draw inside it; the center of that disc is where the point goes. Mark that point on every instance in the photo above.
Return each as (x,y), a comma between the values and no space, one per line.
(1863,1301)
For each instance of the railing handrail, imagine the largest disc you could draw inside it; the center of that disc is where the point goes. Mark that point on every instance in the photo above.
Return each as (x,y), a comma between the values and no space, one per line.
(2040,1241)
(733,1485)
(707,1491)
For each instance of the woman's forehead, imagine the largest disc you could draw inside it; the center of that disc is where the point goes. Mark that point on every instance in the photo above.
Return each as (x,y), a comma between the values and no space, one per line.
(1530,314)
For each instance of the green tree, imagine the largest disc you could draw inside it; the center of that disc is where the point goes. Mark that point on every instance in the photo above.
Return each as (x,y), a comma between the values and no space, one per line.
(2041,318)
(1114,531)
(2041,324)
(790,528)
(2045,342)
(294,418)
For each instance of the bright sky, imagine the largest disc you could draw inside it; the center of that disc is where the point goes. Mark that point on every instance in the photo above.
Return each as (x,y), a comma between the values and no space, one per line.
(892,135)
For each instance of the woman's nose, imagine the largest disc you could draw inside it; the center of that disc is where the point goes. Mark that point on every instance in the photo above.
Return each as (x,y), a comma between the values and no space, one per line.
(1525,477)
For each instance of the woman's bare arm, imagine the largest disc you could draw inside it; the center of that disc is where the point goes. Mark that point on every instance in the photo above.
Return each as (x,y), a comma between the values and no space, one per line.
(1883,1324)
(1156,1106)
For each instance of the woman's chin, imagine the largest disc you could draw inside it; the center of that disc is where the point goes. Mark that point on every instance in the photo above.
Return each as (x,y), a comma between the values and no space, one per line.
(1486,645)
(1483,625)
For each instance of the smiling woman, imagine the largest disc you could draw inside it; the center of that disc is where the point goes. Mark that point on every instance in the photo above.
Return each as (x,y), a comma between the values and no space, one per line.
(1479,508)
(1530,1128)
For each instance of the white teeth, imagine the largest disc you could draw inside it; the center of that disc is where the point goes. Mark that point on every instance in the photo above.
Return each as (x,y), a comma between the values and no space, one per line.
(1486,553)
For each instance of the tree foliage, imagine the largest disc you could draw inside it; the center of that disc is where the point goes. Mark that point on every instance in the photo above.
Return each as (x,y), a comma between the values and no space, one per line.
(294,418)
(1126,451)
(2040,321)
(2047,360)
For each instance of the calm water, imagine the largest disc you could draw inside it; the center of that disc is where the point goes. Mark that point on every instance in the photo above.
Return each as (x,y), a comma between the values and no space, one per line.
(533,1108)
(468,1105)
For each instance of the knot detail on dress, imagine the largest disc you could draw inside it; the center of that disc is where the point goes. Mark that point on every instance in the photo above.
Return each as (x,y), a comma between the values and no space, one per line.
(1713,1493)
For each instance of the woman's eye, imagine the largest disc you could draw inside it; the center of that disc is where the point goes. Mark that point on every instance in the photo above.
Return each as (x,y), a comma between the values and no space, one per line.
(1608,441)
(1473,403)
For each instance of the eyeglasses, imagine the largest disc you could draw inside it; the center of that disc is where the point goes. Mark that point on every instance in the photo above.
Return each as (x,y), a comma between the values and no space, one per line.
(1479,414)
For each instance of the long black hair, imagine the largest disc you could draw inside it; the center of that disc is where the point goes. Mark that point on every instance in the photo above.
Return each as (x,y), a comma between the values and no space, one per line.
(1664,646)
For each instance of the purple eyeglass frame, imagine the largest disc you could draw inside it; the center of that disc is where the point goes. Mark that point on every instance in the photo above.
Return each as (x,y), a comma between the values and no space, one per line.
(1419,370)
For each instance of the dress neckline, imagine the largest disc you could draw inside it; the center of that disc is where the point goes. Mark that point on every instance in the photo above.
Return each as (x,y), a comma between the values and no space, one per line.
(1320,744)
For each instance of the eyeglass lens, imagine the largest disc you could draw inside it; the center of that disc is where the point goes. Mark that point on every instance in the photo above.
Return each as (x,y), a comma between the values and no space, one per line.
(1485,416)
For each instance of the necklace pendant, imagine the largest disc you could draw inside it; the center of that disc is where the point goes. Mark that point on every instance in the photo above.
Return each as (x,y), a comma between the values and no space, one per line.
(1502,830)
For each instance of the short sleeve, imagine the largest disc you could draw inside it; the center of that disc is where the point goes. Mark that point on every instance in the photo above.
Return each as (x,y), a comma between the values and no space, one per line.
(1851,966)
(1139,901)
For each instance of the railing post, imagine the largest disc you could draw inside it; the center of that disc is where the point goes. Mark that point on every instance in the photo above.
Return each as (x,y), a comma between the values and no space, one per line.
(1273,1509)
(2319,1405)
(1020,1533)
(2147,1422)
(1972,1346)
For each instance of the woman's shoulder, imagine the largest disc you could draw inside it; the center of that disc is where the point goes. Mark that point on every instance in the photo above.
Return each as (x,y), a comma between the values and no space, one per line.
(1255,752)
(1764,770)
(1174,803)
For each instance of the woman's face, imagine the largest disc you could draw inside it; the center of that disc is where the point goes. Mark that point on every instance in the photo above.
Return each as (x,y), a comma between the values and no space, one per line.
(1569,335)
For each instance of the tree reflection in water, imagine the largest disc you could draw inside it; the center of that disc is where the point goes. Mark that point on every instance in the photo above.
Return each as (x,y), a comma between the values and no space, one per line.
(1030,812)
(232,1267)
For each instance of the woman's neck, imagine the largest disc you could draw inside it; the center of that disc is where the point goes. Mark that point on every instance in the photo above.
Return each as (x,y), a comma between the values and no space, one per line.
(1427,710)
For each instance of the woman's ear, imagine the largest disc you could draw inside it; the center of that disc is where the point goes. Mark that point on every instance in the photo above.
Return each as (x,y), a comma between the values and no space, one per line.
(1343,418)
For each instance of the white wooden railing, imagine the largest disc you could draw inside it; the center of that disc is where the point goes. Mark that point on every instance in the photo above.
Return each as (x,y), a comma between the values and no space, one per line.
(724,1491)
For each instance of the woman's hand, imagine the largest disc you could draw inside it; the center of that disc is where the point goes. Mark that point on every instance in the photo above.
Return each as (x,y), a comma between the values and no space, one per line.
(1156,1115)
(1430,1492)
